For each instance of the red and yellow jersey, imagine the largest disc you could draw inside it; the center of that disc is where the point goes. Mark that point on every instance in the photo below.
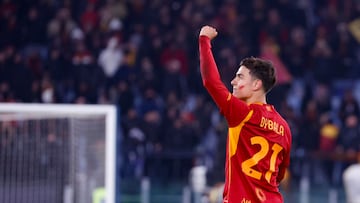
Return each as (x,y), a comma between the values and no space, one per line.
(259,140)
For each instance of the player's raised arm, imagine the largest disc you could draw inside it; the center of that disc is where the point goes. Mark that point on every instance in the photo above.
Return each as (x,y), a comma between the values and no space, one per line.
(209,72)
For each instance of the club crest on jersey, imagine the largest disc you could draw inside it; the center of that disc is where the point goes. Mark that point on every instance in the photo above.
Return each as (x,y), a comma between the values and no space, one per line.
(272,125)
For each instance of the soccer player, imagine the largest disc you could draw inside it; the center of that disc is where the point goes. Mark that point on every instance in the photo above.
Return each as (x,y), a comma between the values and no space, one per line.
(259,139)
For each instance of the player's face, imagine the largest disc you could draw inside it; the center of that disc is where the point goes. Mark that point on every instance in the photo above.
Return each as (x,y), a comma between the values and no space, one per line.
(242,83)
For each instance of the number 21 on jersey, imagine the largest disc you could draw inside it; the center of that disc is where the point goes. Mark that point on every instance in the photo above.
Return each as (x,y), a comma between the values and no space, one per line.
(247,165)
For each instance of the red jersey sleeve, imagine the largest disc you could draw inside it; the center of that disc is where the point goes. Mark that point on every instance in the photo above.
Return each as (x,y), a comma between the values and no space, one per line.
(213,84)
(286,162)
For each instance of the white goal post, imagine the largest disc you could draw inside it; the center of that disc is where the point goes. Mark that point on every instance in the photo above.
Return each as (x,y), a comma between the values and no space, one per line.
(80,121)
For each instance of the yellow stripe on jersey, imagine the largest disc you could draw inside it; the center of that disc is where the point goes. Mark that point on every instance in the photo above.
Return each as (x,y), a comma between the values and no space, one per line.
(234,133)
(228,97)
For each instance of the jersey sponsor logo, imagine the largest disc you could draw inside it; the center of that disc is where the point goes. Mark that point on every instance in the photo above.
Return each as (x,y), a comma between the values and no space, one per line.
(244,200)
(272,125)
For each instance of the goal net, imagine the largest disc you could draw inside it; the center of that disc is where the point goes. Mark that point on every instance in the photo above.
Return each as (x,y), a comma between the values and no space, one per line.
(57,153)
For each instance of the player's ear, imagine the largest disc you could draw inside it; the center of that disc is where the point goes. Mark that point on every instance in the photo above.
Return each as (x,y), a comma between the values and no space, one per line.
(257,84)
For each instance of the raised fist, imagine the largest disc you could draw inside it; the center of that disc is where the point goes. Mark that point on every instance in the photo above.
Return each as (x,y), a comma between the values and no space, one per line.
(208,31)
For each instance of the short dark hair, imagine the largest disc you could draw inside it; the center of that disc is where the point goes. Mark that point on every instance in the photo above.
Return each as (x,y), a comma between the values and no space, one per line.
(262,70)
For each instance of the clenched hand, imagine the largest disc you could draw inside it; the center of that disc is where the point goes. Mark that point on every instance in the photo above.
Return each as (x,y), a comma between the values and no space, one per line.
(208,31)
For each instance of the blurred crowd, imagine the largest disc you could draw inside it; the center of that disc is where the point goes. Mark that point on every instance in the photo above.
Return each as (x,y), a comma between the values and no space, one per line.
(142,56)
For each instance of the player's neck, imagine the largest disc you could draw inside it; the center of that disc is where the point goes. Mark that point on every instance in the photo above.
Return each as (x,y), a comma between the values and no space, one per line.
(256,99)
